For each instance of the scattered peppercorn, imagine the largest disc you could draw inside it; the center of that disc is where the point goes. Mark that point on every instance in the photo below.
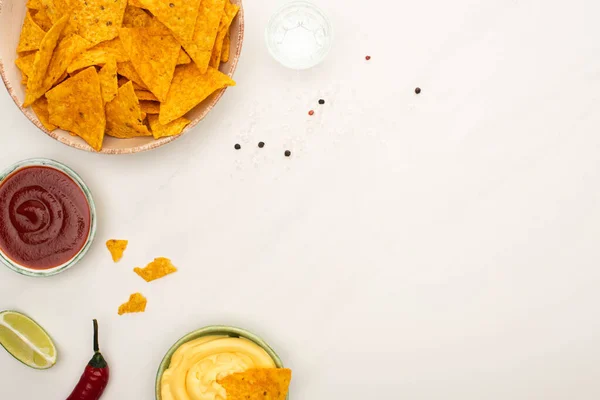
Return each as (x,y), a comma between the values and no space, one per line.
(321,101)
(367,58)
(261,144)
(288,153)
(311,112)
(418,90)
(237,146)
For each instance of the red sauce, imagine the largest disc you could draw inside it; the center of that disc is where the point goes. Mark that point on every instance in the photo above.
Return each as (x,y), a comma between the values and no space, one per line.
(44,217)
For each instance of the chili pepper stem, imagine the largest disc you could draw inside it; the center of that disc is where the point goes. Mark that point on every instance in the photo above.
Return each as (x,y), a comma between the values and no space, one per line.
(96,347)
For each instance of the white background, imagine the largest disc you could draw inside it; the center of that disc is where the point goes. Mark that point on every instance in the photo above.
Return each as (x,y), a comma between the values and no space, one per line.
(440,246)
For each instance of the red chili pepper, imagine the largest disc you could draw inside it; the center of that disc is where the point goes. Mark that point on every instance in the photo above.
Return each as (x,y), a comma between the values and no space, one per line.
(94,378)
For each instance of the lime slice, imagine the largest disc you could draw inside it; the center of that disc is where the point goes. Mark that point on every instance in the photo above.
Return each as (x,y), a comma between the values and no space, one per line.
(26,341)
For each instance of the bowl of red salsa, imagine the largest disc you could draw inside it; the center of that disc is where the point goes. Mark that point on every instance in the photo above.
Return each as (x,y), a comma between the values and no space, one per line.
(47,217)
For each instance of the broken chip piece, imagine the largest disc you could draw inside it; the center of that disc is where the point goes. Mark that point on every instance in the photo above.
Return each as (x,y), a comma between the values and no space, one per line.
(136,304)
(159,268)
(116,248)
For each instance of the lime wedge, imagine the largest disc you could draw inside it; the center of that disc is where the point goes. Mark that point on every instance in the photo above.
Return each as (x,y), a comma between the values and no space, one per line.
(26,341)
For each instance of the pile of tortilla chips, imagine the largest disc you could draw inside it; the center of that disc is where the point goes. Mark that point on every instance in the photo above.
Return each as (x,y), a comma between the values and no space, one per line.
(123,68)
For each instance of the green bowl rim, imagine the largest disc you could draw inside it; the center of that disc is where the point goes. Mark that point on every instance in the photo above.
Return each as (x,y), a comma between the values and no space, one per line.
(47,162)
(224,330)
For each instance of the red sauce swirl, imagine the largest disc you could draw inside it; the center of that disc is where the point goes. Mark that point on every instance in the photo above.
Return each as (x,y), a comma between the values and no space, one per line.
(44,217)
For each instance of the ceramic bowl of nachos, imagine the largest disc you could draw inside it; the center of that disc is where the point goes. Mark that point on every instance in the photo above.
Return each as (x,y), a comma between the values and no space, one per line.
(119,77)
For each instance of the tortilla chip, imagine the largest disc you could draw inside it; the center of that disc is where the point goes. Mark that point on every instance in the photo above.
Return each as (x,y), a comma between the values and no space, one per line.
(153,57)
(42,19)
(230,13)
(40,108)
(124,118)
(35,5)
(76,105)
(177,15)
(183,58)
(257,384)
(97,20)
(200,47)
(43,58)
(116,248)
(171,129)
(99,55)
(31,35)
(150,107)
(135,17)
(226,48)
(56,9)
(64,54)
(159,268)
(108,80)
(127,70)
(182,98)
(25,63)
(135,3)
(136,304)
(123,80)
(145,95)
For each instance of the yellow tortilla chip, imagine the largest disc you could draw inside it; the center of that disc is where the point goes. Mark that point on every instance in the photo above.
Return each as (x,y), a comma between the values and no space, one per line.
(25,63)
(136,304)
(43,58)
(35,5)
(189,88)
(116,248)
(136,3)
(231,11)
(177,15)
(124,117)
(145,95)
(64,54)
(123,80)
(31,35)
(76,105)
(97,20)
(200,47)
(42,19)
(153,57)
(40,108)
(159,268)
(257,384)
(150,107)
(183,58)
(135,17)
(56,9)
(108,80)
(226,48)
(171,129)
(127,70)
(99,55)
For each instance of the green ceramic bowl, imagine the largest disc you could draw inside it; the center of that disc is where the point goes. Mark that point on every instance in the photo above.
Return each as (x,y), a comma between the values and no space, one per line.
(44,162)
(220,330)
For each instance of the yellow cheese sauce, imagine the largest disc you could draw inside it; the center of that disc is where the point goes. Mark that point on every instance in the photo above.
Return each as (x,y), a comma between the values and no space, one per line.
(197,365)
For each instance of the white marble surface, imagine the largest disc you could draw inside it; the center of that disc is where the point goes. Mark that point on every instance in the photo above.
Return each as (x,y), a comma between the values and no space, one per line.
(441,246)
